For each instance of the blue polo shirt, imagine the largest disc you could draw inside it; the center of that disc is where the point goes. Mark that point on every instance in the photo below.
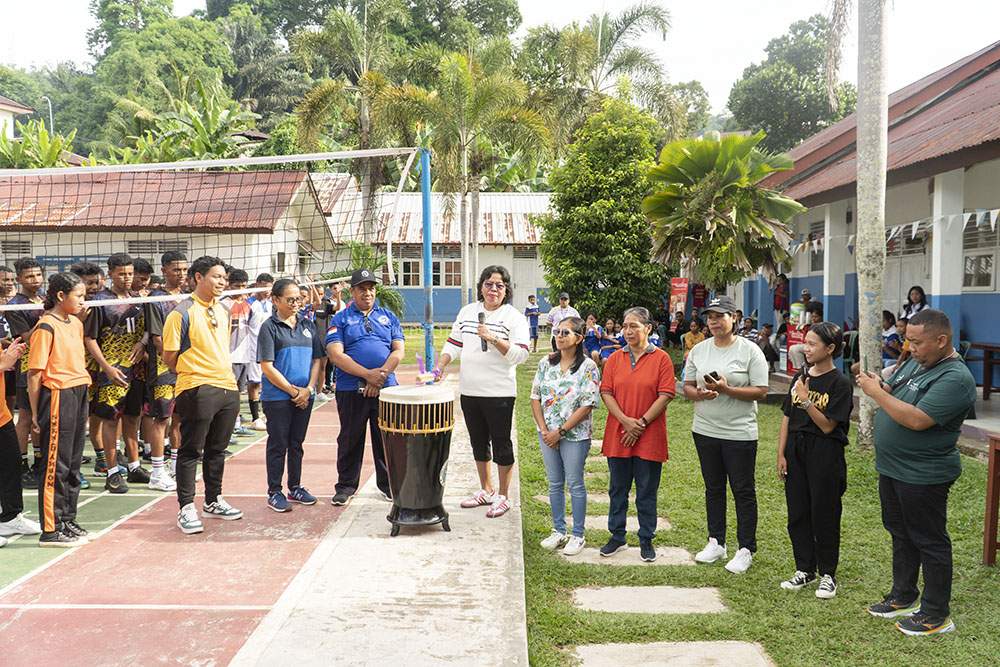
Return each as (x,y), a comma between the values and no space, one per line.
(368,346)
(290,350)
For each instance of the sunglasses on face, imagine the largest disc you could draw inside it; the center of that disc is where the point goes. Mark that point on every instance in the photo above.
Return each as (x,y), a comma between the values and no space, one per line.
(368,325)
(495,286)
(561,333)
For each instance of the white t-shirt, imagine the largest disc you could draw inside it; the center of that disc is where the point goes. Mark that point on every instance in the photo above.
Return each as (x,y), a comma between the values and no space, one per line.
(488,373)
(260,310)
(743,365)
(557,314)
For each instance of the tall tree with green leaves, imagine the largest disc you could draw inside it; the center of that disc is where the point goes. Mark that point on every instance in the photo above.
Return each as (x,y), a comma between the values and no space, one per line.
(709,213)
(121,17)
(597,244)
(450,24)
(279,17)
(786,94)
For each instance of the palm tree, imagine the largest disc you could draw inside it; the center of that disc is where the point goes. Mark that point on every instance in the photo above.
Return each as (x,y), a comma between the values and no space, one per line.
(710,215)
(352,48)
(472,114)
(872,148)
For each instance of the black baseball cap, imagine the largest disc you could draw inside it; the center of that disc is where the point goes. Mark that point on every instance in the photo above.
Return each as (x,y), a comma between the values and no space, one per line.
(363,276)
(720,304)
(564,295)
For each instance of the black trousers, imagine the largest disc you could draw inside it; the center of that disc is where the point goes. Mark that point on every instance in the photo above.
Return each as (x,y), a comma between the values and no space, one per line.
(358,413)
(62,416)
(735,461)
(916,515)
(11,500)
(646,474)
(488,419)
(817,478)
(208,415)
(286,431)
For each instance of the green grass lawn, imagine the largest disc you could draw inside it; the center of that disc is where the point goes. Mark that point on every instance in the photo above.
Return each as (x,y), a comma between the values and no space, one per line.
(794,628)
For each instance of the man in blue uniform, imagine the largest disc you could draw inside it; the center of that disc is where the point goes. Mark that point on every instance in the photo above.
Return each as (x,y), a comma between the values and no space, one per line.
(532,312)
(365,342)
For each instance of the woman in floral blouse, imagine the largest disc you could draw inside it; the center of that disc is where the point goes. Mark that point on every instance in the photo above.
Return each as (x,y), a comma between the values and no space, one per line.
(565,390)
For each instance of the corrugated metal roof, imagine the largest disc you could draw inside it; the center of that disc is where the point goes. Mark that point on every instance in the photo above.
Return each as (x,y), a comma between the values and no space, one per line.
(963,114)
(202,202)
(11,105)
(505,219)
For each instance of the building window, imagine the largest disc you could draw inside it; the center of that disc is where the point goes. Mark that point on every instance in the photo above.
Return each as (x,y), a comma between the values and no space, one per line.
(817,231)
(452,273)
(980,242)
(409,275)
(978,274)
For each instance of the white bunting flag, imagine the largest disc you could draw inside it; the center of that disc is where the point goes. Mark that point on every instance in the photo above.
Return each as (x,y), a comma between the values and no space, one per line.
(916,226)
(993,219)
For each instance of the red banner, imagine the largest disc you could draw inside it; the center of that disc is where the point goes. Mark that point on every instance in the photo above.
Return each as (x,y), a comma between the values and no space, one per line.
(678,296)
(794,336)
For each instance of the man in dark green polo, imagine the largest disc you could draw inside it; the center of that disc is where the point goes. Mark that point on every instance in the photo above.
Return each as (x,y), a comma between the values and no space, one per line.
(920,416)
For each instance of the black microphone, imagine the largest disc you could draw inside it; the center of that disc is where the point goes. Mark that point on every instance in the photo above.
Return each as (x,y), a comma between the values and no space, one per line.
(482,320)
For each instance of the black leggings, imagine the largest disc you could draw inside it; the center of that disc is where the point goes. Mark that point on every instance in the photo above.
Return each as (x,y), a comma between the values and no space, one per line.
(735,461)
(488,419)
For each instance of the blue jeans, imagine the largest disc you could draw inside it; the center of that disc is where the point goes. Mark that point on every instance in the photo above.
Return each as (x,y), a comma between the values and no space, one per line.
(646,475)
(564,467)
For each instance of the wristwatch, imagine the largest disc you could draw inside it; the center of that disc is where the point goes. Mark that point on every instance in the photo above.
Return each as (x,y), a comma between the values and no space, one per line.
(312,390)
(563,432)
(806,404)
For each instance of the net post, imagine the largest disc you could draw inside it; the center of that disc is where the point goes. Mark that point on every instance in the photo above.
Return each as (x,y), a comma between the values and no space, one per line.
(425,192)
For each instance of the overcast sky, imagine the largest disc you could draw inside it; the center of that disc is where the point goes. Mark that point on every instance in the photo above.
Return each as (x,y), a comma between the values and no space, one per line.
(711,40)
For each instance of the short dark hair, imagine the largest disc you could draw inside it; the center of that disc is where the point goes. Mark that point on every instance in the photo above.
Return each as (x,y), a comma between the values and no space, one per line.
(932,320)
(887,315)
(155,278)
(504,276)
(83,269)
(279,287)
(24,263)
(6,269)
(830,334)
(814,307)
(203,264)
(119,259)
(238,276)
(264,278)
(171,256)
(142,266)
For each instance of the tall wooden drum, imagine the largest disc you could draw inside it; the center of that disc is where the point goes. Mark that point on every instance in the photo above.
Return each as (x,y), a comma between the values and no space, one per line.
(416,424)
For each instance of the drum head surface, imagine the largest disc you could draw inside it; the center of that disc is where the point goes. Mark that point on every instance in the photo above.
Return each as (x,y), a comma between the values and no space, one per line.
(417,394)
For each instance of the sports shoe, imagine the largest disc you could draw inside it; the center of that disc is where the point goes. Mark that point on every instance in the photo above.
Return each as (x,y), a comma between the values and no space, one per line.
(278,502)
(3,541)
(574,546)
(921,624)
(242,430)
(301,496)
(188,520)
(741,562)
(712,552)
(29,480)
(162,481)
(499,507)
(259,424)
(647,552)
(75,528)
(100,469)
(385,496)
(115,483)
(84,482)
(58,538)
(612,547)
(171,466)
(477,499)
(554,540)
(138,476)
(220,509)
(891,608)
(340,499)
(799,580)
(827,589)
(19,525)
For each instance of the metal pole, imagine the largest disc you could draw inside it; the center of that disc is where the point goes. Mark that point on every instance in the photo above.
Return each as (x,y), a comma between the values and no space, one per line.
(425,191)
(52,125)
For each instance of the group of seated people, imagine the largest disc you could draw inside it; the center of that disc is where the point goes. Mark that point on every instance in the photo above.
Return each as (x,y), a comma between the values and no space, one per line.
(685,334)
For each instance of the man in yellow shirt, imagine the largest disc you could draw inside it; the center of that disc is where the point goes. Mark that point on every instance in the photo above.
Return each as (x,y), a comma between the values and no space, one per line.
(196,348)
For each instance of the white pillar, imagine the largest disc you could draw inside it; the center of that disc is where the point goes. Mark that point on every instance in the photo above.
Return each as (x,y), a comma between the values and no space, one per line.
(946,246)
(835,262)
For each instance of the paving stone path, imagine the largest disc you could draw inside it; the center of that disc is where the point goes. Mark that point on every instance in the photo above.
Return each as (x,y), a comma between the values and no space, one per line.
(649,600)
(674,654)
(630,556)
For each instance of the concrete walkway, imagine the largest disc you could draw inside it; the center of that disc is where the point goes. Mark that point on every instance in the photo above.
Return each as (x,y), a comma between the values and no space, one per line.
(424,597)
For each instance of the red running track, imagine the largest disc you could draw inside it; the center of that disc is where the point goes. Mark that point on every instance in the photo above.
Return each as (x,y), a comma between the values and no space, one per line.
(144,593)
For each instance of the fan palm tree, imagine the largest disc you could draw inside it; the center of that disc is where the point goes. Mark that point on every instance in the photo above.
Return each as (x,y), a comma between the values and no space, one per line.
(710,215)
(471,115)
(872,145)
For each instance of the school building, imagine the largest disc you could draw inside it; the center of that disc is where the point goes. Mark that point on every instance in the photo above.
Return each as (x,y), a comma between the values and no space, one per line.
(942,204)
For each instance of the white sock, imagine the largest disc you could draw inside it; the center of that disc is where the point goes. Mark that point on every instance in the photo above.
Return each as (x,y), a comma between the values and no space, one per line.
(173,454)
(133,465)
(157,464)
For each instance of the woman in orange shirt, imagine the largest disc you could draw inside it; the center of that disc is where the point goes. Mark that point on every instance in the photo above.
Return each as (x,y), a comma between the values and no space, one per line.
(57,388)
(638,384)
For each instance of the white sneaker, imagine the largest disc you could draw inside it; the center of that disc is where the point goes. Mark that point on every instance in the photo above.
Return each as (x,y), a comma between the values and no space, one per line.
(741,562)
(259,424)
(19,525)
(574,546)
(3,541)
(827,588)
(188,520)
(171,466)
(220,509)
(711,553)
(554,541)
(162,482)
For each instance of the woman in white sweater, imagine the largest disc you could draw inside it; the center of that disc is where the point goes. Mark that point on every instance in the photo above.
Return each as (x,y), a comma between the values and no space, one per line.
(491,336)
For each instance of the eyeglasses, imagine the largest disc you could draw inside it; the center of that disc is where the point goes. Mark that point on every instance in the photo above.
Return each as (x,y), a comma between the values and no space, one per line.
(212,319)
(495,286)
(292,300)
(561,333)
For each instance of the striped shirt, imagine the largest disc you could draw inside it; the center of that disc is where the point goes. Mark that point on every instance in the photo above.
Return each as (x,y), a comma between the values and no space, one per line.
(488,373)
